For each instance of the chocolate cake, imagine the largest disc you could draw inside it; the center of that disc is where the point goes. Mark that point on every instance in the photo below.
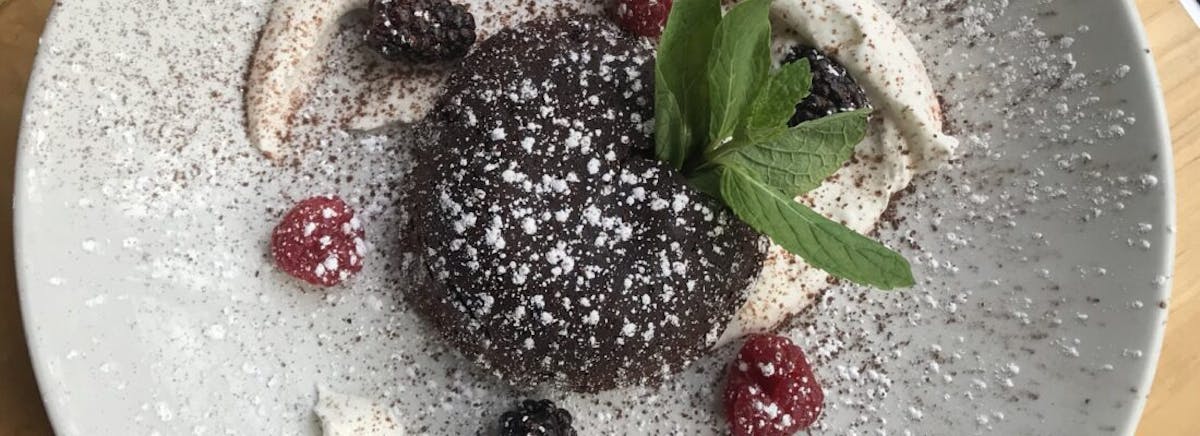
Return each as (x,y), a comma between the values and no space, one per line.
(560,251)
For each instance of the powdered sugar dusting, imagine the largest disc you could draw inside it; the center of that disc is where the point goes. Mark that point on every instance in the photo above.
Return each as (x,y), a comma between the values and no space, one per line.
(181,205)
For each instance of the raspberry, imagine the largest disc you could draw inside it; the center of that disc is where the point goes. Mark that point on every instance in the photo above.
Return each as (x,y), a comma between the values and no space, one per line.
(771,389)
(643,17)
(319,241)
(420,31)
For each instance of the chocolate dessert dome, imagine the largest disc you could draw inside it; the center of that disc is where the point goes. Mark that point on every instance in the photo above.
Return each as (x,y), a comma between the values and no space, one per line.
(559,250)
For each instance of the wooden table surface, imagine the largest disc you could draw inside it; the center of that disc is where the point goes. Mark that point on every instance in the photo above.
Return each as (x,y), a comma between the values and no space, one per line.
(1174,399)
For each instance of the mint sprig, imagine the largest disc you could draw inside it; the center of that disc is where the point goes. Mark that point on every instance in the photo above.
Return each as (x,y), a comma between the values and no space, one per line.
(681,80)
(738,65)
(721,118)
(797,160)
(776,103)
(819,241)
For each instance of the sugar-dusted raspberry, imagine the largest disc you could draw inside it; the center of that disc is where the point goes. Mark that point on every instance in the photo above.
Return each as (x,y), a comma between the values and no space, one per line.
(319,241)
(771,389)
(643,17)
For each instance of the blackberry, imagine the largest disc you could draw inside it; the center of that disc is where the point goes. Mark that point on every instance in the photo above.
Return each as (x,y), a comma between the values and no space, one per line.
(833,90)
(420,31)
(539,418)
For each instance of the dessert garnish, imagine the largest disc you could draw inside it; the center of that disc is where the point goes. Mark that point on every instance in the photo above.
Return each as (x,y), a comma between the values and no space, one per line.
(420,31)
(536,418)
(770,389)
(643,17)
(721,119)
(833,90)
(319,241)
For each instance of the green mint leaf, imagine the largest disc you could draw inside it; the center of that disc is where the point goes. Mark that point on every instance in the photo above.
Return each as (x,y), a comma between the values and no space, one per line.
(682,69)
(798,159)
(721,117)
(671,134)
(707,181)
(776,102)
(821,242)
(738,66)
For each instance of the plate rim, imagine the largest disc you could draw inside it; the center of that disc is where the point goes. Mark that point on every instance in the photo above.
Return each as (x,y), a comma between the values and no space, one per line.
(1166,165)
(1161,139)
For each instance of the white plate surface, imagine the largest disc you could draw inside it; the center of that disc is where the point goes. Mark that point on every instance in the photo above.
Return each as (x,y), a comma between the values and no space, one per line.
(143,213)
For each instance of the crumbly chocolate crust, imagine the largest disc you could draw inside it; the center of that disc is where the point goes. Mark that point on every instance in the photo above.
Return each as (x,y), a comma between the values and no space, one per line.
(560,250)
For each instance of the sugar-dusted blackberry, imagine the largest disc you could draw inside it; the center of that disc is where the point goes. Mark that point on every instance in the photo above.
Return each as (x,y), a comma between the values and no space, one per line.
(833,89)
(420,31)
(540,417)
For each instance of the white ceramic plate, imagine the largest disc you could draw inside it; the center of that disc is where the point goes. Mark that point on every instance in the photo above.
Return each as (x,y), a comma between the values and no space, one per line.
(143,212)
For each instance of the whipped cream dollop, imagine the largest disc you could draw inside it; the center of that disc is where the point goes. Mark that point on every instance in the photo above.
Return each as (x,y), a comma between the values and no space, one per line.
(348,415)
(295,47)
(866,40)
(905,139)
(291,52)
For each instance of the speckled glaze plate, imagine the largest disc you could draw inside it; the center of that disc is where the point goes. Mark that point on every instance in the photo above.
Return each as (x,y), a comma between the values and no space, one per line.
(142,216)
